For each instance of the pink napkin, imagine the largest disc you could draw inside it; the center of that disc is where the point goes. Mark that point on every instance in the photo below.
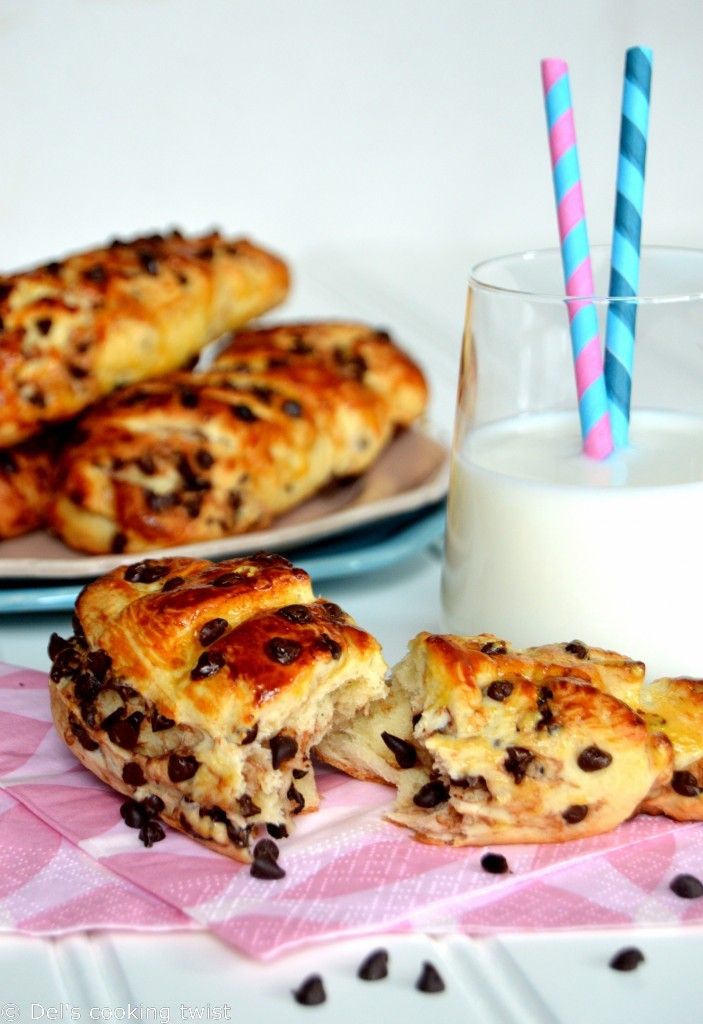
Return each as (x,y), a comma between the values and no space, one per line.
(347,871)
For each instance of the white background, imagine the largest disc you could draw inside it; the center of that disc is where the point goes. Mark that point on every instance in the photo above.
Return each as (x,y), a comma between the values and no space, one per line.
(397,141)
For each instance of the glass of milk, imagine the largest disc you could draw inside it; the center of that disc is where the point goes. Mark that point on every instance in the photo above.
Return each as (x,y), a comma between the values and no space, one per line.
(544,544)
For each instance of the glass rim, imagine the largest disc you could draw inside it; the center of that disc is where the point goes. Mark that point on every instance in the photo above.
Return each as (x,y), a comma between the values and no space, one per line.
(561,297)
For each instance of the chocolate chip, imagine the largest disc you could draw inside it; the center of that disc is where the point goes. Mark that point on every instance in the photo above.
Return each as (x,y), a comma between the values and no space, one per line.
(500,690)
(249,736)
(266,869)
(7,463)
(119,543)
(216,813)
(333,611)
(57,644)
(148,262)
(182,767)
(234,500)
(227,579)
(577,648)
(546,720)
(132,774)
(66,665)
(266,849)
(151,832)
(204,459)
(593,759)
(627,959)
(133,814)
(124,732)
(86,741)
(403,752)
(282,650)
(299,613)
(326,643)
(172,583)
(211,631)
(159,722)
(475,783)
(244,413)
(146,464)
(53,268)
(87,687)
(283,748)
(145,572)
(43,325)
(97,274)
(292,408)
(685,784)
(517,762)
(208,664)
(416,718)
(688,887)
(296,797)
(299,773)
(494,863)
(311,992)
(205,253)
(99,663)
(575,813)
(431,794)
(189,399)
(247,806)
(277,831)
(430,979)
(494,647)
(238,836)
(374,967)
(153,805)
(544,695)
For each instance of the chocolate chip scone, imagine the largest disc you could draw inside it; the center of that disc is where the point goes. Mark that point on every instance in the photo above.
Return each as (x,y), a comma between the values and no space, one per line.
(674,707)
(200,688)
(197,456)
(73,330)
(490,745)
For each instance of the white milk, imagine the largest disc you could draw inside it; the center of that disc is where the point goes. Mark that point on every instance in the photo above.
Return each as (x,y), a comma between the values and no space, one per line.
(544,544)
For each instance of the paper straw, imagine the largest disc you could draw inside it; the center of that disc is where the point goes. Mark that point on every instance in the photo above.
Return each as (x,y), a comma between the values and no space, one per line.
(576,259)
(627,231)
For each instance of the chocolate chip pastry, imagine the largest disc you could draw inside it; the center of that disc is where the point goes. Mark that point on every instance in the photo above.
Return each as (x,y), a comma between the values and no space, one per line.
(73,330)
(198,690)
(196,456)
(487,744)
(27,480)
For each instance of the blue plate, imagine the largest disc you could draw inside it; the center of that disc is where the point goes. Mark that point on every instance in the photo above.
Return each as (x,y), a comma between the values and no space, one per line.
(371,547)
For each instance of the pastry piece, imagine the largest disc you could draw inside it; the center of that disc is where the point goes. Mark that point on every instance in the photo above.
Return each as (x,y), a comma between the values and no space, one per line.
(27,480)
(74,330)
(489,746)
(609,671)
(674,707)
(195,456)
(202,687)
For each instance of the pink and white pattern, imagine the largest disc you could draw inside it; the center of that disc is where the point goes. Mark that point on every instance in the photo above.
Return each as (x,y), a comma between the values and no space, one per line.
(347,871)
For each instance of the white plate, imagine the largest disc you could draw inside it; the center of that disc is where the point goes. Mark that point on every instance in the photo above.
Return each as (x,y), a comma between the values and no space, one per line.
(411,472)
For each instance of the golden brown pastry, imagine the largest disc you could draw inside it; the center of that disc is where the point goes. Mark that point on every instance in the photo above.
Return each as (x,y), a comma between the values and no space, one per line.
(27,479)
(74,330)
(203,687)
(487,745)
(194,456)
(674,707)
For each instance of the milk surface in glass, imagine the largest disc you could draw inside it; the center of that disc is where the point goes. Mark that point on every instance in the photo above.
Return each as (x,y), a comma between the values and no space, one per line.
(544,544)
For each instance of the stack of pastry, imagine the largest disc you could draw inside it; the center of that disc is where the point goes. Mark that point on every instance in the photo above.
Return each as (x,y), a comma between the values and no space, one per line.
(173,455)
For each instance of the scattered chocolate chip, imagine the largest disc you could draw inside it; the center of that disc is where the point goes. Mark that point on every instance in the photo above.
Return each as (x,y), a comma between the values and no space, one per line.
(182,767)
(593,759)
(132,774)
(208,664)
(124,732)
(431,794)
(494,863)
(404,753)
(283,748)
(292,408)
(494,647)
(333,611)
(577,648)
(296,797)
(146,464)
(148,262)
(298,613)
(145,572)
(86,741)
(416,718)
(282,650)
(249,736)
(546,719)
(211,631)
(500,690)
(266,849)
(204,459)
(7,463)
(544,695)
(227,579)
(326,643)
(299,773)
(238,836)
(87,687)
(475,783)
(266,869)
(79,372)
(247,806)
(151,832)
(205,253)
(172,583)
(685,784)
(277,831)
(688,887)
(119,543)
(430,979)
(53,268)
(159,722)
(99,663)
(244,413)
(37,399)
(97,274)
(43,325)
(311,992)
(517,762)
(627,959)
(374,967)
(575,813)
(57,644)
(189,399)
(133,814)
(153,805)
(234,500)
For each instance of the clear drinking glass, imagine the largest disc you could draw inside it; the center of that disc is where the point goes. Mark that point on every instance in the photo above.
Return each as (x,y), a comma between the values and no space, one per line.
(544,544)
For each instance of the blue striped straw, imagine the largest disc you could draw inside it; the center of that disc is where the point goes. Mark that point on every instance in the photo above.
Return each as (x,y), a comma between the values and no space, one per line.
(627,231)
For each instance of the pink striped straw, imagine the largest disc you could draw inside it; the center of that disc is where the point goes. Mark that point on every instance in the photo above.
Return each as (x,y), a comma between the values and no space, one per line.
(576,259)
